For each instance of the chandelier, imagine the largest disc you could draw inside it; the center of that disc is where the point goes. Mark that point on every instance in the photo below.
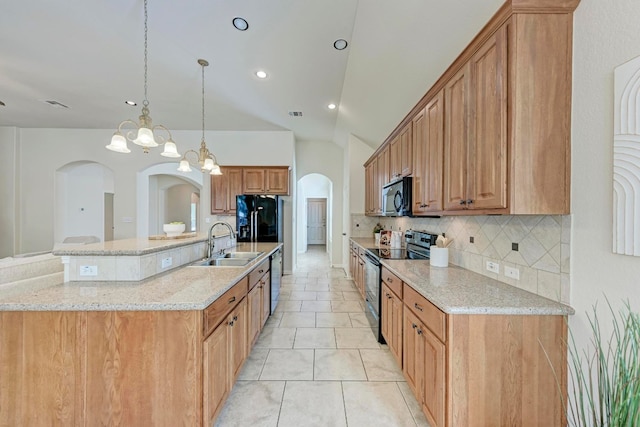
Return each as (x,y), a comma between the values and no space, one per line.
(144,134)
(205,158)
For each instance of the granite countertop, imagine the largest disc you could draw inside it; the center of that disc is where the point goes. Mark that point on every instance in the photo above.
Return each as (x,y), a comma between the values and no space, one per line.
(455,290)
(185,288)
(134,246)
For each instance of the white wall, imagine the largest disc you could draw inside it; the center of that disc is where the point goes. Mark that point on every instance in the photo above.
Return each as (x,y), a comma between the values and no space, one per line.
(49,149)
(605,36)
(8,164)
(326,159)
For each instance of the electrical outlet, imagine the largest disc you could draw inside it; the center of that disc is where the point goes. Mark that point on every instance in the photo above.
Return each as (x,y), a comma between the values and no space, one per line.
(166,262)
(512,273)
(88,270)
(494,267)
(229,243)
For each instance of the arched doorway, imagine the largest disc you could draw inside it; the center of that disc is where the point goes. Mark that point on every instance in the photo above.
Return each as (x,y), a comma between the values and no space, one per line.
(84,193)
(148,220)
(312,189)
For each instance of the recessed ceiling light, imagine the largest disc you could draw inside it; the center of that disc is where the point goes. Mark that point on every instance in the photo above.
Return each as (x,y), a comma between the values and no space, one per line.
(261,74)
(331,106)
(132,103)
(340,44)
(240,24)
(2,104)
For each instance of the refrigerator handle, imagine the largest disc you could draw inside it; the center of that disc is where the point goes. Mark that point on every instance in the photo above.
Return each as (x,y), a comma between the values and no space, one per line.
(254,223)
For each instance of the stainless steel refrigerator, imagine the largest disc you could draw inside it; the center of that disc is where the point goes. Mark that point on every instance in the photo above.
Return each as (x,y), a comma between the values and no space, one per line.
(259,218)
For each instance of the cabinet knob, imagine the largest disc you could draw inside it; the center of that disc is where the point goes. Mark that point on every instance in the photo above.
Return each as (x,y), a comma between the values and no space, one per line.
(469,201)
(232,299)
(419,331)
(235,318)
(413,325)
(389,279)
(231,323)
(462,202)
(415,304)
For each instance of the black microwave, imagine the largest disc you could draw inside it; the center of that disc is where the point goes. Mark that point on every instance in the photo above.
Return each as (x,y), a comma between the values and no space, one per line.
(396,198)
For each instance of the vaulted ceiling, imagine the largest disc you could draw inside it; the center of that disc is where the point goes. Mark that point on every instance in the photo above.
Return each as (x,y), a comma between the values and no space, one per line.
(88,55)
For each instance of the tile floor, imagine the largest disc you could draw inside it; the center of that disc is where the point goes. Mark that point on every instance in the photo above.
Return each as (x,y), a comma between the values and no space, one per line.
(317,362)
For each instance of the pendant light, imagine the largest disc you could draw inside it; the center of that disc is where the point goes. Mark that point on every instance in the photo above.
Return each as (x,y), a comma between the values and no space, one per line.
(206,160)
(144,134)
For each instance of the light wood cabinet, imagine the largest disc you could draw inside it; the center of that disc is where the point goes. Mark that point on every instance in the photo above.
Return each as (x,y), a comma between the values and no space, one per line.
(238,339)
(382,170)
(265,293)
(215,373)
(360,274)
(224,189)
(254,309)
(371,196)
(507,118)
(476,130)
(428,149)
(400,154)
(391,315)
(266,180)
(413,353)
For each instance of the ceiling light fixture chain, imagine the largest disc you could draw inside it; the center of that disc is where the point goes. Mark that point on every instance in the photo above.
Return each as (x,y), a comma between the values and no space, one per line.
(207,161)
(144,133)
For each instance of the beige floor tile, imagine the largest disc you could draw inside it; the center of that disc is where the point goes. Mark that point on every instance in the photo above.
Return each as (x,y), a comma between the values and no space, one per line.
(343,287)
(315,338)
(253,365)
(316,306)
(252,403)
(288,365)
(330,296)
(356,338)
(312,404)
(339,365)
(303,295)
(293,287)
(333,320)
(296,319)
(380,365)
(359,320)
(370,404)
(352,296)
(276,338)
(289,306)
(414,406)
(346,306)
(315,287)
(273,321)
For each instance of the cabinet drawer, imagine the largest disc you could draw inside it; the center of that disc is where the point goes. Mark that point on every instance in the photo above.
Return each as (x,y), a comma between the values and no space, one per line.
(392,281)
(216,312)
(428,313)
(258,272)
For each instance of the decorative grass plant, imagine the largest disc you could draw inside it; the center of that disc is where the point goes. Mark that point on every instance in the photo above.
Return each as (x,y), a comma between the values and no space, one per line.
(605,377)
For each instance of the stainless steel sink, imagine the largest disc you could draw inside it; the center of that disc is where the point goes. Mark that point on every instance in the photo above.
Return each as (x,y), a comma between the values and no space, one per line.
(243,255)
(227,262)
(231,259)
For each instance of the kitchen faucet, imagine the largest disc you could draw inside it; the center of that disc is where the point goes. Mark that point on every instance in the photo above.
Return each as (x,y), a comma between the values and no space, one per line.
(211,236)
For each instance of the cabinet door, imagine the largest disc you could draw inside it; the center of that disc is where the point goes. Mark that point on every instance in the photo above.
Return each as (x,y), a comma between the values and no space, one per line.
(434,135)
(253,181)
(369,185)
(395,159)
(413,353)
(385,314)
(360,276)
(254,310)
(395,326)
(456,94)
(215,373)
(382,177)
(219,193)
(237,340)
(420,167)
(234,187)
(434,379)
(406,150)
(277,181)
(265,291)
(488,130)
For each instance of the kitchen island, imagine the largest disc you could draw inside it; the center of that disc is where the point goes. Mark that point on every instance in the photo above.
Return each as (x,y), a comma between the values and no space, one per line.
(160,351)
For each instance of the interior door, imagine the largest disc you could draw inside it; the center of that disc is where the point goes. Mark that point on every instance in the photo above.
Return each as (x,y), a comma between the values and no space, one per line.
(316,221)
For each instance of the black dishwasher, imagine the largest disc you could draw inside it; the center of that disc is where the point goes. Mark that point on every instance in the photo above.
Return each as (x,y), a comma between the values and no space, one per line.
(276,277)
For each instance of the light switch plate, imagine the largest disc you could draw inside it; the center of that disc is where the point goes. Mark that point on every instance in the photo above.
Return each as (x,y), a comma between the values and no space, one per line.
(166,262)
(512,273)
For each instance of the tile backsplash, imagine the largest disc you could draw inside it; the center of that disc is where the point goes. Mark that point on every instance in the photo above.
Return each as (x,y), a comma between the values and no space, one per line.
(542,255)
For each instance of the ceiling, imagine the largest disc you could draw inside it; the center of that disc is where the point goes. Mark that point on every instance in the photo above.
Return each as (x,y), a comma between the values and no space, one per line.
(88,55)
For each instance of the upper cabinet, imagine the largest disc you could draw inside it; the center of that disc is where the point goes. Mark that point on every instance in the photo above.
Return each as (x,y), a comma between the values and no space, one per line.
(266,180)
(505,109)
(224,189)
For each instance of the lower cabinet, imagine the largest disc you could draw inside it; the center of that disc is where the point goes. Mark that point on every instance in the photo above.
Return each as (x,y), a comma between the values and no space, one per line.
(254,309)
(265,295)
(391,315)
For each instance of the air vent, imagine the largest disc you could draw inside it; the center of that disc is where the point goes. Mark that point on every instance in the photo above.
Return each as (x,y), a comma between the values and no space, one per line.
(56,104)
(295,113)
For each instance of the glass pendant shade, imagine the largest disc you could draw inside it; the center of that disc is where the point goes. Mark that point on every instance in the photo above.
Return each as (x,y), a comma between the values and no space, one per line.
(118,144)
(184,166)
(215,170)
(145,138)
(170,149)
(208,164)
